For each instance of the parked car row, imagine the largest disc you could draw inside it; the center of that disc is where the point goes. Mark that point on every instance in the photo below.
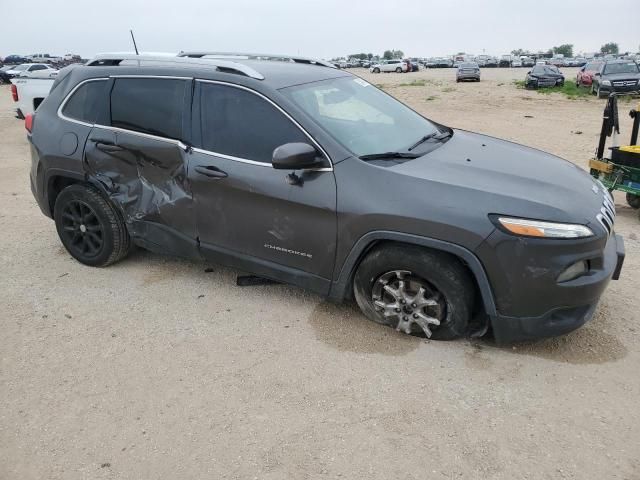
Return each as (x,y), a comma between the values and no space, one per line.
(602,77)
(41,70)
(46,58)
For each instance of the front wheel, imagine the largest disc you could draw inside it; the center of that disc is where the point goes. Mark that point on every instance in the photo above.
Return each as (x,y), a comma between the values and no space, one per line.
(633,200)
(376,70)
(415,290)
(89,227)
(398,70)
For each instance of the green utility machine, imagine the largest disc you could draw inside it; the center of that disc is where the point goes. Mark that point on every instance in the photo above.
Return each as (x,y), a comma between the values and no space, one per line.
(622,170)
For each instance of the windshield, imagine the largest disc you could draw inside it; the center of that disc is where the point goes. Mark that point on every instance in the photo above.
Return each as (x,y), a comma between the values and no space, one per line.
(22,67)
(630,67)
(358,115)
(468,65)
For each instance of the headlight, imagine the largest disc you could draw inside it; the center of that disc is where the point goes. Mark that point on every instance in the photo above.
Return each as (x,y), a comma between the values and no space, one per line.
(606,83)
(537,228)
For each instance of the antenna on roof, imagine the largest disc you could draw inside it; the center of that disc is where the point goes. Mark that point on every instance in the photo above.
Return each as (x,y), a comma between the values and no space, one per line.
(134,42)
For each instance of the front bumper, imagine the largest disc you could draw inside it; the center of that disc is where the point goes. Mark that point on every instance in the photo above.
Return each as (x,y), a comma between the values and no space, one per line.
(575,301)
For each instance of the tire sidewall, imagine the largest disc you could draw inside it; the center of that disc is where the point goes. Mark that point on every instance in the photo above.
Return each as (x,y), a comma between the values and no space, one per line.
(80,193)
(435,268)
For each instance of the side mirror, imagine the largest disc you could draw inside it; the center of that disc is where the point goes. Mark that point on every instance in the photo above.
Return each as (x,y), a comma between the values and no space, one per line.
(295,156)
(528,72)
(597,74)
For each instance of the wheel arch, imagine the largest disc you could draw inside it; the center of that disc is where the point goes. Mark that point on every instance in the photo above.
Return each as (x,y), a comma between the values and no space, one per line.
(341,288)
(57,180)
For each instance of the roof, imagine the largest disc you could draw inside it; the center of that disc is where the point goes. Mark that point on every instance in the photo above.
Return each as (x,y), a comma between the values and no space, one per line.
(277,71)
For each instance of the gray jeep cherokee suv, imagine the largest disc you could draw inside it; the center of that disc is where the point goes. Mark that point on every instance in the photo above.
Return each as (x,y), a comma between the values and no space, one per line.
(306,174)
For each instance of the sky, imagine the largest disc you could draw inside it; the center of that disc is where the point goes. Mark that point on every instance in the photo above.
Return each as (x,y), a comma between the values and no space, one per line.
(317,28)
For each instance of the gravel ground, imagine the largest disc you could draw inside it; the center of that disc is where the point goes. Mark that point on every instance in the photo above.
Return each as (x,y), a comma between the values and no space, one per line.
(154,368)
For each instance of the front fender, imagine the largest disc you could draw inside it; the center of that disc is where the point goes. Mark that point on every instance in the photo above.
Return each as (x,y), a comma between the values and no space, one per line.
(341,287)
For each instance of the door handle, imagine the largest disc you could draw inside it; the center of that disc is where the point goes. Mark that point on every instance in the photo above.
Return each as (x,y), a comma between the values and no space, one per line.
(210,171)
(106,145)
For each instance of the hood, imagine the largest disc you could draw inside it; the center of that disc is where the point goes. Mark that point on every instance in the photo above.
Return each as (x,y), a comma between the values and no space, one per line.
(508,178)
(621,76)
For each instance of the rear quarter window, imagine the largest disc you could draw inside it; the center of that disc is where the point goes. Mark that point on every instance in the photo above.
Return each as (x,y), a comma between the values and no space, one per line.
(84,103)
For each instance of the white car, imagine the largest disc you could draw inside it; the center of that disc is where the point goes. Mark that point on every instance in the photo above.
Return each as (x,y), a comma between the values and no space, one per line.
(39,70)
(516,62)
(397,66)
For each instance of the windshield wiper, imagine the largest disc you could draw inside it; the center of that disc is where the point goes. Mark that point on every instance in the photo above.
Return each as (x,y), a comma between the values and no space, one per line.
(388,155)
(435,136)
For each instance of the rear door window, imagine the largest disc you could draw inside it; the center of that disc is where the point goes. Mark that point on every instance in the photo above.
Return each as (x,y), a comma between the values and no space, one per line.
(241,124)
(153,106)
(84,104)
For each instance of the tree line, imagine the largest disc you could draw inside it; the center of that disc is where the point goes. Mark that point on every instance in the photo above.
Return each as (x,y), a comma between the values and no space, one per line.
(567,50)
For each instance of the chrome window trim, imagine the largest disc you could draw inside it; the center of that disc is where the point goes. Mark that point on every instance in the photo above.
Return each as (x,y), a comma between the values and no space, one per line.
(141,134)
(255,162)
(178,142)
(68,97)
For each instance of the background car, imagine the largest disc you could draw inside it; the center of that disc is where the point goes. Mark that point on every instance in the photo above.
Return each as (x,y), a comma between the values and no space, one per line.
(15,60)
(542,76)
(585,74)
(444,62)
(468,71)
(413,63)
(30,69)
(397,66)
(516,62)
(492,62)
(527,61)
(505,61)
(621,76)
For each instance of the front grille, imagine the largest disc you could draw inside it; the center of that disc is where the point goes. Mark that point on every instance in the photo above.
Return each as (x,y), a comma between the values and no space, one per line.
(607,215)
(625,83)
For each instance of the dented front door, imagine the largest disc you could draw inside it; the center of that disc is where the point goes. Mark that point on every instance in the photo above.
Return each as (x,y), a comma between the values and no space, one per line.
(146,177)
(254,215)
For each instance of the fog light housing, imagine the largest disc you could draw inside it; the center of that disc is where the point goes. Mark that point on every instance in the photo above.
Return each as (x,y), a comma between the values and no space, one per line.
(574,271)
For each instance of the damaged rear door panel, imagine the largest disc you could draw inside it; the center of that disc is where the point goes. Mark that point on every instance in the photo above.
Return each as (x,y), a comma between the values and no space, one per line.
(139,158)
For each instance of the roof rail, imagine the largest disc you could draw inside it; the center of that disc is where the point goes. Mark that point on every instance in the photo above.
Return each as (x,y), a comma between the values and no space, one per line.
(257,56)
(131,59)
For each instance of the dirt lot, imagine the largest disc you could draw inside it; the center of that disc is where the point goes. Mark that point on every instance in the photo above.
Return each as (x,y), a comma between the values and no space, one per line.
(154,368)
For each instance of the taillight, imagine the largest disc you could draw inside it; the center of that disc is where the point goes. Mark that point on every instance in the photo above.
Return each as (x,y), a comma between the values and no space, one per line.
(28,122)
(14,92)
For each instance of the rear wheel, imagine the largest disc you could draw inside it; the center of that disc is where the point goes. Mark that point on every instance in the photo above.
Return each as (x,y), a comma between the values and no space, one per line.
(89,227)
(633,200)
(415,291)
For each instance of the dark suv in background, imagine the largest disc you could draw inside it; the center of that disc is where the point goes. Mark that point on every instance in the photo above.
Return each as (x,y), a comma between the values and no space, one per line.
(299,172)
(619,76)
